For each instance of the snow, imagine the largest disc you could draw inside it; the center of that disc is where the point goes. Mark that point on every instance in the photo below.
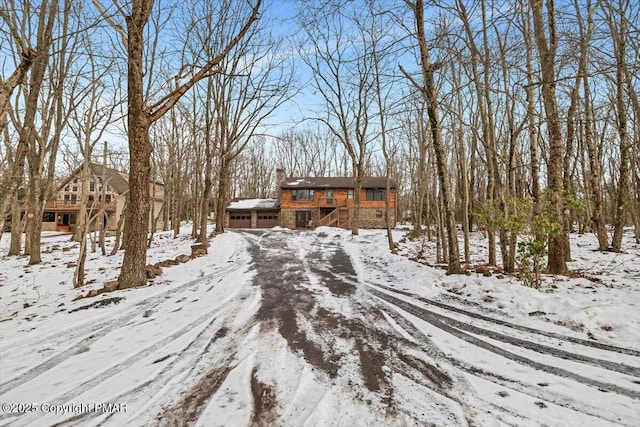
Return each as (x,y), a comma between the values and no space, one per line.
(191,347)
(250,204)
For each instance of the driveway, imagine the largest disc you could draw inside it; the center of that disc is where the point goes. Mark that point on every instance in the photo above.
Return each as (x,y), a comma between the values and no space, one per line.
(283,328)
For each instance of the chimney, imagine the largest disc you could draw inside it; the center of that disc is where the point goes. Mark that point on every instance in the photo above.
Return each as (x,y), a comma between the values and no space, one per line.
(281,175)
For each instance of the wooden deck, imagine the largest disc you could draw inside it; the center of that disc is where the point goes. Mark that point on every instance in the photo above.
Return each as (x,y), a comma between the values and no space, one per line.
(74,205)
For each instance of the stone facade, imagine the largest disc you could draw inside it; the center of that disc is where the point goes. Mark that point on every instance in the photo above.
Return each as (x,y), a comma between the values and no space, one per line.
(369,217)
(287,218)
(374,218)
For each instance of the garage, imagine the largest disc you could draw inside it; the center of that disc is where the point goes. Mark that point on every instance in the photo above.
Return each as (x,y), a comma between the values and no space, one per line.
(267,219)
(240,219)
(252,213)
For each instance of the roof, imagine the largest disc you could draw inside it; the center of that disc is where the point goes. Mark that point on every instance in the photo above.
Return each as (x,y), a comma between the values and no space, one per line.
(334,182)
(119,181)
(252,204)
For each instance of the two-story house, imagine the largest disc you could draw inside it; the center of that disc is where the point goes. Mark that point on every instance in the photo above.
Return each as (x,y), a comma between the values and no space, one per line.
(61,212)
(329,201)
(315,201)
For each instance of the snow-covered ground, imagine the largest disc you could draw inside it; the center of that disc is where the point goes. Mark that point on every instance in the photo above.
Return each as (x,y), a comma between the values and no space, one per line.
(318,328)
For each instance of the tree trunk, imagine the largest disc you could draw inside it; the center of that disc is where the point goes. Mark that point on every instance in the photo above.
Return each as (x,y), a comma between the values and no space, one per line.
(34,215)
(357,188)
(430,95)
(223,190)
(619,44)
(485,111)
(16,228)
(82,210)
(547,51)
(598,221)
(119,226)
(79,272)
(132,272)
(139,120)
(37,60)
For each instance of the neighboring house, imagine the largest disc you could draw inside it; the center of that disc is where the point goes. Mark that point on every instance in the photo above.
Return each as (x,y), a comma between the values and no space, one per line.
(311,202)
(252,213)
(61,213)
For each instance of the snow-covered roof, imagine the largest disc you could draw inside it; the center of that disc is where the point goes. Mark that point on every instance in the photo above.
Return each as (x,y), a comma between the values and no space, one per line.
(334,182)
(253,204)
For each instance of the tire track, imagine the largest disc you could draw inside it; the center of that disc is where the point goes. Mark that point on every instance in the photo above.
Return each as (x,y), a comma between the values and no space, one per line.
(574,340)
(195,357)
(541,394)
(97,331)
(442,322)
(207,320)
(541,348)
(153,300)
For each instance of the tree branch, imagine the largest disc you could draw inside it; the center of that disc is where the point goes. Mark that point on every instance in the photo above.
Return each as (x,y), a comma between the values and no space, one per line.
(113,24)
(158,109)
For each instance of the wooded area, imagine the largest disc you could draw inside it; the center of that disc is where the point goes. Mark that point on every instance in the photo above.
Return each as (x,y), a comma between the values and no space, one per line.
(518,118)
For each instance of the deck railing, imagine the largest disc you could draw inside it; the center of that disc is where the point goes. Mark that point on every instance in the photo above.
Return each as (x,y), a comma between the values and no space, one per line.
(327,201)
(330,219)
(75,204)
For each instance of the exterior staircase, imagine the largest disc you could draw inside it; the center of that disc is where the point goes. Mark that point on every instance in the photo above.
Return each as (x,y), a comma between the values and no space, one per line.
(338,217)
(330,220)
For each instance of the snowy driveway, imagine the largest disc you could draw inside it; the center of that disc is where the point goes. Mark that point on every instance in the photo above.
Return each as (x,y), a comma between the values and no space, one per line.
(303,328)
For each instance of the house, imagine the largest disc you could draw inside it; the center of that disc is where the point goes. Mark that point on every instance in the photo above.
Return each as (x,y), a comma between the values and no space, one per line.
(61,212)
(329,201)
(310,202)
(252,213)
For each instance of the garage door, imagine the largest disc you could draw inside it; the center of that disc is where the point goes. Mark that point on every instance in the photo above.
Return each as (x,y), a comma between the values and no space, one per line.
(240,219)
(267,219)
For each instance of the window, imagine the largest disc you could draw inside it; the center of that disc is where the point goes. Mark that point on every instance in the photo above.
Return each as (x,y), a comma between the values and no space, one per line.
(350,193)
(74,197)
(67,197)
(75,181)
(66,188)
(302,195)
(75,188)
(375,194)
(107,198)
(49,217)
(379,214)
(240,216)
(329,195)
(92,186)
(90,197)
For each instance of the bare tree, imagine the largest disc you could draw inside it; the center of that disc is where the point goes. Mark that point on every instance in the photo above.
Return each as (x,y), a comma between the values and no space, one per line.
(585,30)
(141,115)
(88,122)
(309,152)
(383,101)
(255,82)
(341,62)
(44,139)
(42,38)
(428,90)
(482,87)
(616,20)
(546,42)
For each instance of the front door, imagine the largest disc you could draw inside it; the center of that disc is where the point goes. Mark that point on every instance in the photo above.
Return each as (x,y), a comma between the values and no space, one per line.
(302,219)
